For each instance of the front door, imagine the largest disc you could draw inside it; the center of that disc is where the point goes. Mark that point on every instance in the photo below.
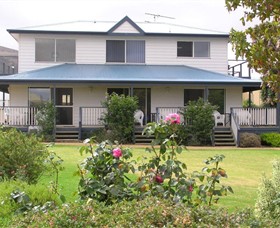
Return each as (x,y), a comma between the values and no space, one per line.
(64,106)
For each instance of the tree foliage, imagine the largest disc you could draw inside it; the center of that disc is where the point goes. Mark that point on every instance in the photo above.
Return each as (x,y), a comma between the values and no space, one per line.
(259,44)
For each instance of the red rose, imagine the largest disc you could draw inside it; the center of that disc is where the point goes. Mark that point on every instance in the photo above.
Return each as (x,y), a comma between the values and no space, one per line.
(158,179)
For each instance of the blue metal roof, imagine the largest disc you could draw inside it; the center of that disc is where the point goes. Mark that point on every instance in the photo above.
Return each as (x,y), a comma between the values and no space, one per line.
(127,74)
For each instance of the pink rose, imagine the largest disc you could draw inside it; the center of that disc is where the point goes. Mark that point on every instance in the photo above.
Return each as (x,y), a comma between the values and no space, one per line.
(158,179)
(191,188)
(117,152)
(173,118)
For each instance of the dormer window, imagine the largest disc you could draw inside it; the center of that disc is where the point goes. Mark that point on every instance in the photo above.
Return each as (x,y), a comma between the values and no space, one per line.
(196,49)
(125,51)
(55,50)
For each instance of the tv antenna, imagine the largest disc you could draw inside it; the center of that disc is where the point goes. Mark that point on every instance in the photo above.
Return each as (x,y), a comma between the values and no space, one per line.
(156,16)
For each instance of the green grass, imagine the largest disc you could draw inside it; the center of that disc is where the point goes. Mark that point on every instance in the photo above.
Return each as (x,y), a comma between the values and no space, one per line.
(244,168)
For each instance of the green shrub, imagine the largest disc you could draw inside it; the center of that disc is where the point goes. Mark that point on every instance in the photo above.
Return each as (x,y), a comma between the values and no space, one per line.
(199,122)
(271,139)
(249,140)
(38,195)
(268,200)
(119,117)
(102,134)
(22,157)
(150,212)
(46,120)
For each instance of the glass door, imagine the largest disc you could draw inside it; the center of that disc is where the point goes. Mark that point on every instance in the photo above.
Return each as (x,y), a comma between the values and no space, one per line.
(64,106)
(144,98)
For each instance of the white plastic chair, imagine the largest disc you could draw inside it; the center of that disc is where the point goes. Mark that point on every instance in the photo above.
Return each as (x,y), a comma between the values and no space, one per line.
(219,118)
(139,117)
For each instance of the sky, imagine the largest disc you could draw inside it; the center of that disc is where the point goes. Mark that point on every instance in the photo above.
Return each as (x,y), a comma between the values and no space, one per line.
(207,14)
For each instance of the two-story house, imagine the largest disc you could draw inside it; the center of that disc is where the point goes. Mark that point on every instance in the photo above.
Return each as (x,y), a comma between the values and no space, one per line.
(76,64)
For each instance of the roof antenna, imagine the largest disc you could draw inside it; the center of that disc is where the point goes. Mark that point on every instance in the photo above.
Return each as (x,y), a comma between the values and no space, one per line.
(156,16)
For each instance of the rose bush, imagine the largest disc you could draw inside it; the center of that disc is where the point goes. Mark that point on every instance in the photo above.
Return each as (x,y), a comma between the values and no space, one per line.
(104,175)
(104,172)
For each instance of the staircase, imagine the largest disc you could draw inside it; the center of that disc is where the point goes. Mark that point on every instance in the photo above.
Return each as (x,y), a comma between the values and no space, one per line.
(223,136)
(141,139)
(64,134)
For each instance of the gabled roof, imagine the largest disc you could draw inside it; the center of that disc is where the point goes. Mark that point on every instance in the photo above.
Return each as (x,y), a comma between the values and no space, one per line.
(109,28)
(127,74)
(126,20)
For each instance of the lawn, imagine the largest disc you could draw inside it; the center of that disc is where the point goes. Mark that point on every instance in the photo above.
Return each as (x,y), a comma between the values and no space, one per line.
(244,168)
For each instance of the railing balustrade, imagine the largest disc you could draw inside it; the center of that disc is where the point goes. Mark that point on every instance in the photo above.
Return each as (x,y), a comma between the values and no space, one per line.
(162,112)
(91,116)
(255,116)
(18,116)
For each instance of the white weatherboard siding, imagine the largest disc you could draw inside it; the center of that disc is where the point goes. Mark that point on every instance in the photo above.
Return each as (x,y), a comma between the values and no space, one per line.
(233,97)
(18,95)
(166,97)
(159,51)
(90,50)
(126,27)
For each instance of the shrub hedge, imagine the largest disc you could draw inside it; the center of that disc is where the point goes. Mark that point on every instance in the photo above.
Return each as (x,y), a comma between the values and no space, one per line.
(271,139)
(249,140)
(22,156)
(150,212)
(38,195)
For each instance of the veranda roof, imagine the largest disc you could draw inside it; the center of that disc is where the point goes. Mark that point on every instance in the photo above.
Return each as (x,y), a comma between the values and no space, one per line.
(127,74)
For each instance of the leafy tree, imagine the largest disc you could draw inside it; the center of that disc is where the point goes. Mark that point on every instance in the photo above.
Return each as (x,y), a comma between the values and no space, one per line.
(259,44)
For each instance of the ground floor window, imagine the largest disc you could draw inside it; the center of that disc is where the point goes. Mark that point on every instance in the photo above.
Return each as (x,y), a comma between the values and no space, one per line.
(61,97)
(118,91)
(214,96)
(38,96)
(144,98)
(217,97)
(193,95)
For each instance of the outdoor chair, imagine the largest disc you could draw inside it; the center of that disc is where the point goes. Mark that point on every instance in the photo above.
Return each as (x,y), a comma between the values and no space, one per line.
(219,118)
(139,117)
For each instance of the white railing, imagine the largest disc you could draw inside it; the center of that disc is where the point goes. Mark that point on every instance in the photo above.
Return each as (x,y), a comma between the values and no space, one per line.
(162,112)
(254,116)
(234,127)
(18,116)
(91,116)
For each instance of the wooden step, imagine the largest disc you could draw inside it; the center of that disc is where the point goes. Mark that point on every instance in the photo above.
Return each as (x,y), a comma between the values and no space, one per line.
(66,135)
(223,137)
(141,139)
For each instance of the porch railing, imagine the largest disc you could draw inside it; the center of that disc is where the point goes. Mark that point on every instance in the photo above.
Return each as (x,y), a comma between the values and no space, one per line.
(162,112)
(18,116)
(91,116)
(254,116)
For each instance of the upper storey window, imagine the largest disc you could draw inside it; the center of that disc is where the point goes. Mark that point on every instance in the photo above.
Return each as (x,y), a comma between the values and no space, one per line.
(193,49)
(125,51)
(55,50)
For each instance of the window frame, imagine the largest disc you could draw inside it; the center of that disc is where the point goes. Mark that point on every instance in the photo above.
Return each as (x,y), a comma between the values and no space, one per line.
(54,53)
(126,61)
(194,43)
